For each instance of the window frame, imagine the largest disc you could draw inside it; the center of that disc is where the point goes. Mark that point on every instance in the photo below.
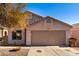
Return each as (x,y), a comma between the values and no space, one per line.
(14,35)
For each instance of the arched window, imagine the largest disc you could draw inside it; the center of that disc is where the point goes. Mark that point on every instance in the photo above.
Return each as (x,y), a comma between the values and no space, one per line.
(5,33)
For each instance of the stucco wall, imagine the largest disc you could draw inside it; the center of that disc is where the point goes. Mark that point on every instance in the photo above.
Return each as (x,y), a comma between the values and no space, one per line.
(54,25)
(17,42)
(68,35)
(75,34)
(42,25)
(28,37)
(60,25)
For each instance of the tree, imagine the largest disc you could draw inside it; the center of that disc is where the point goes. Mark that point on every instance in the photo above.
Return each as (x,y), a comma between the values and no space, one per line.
(13,15)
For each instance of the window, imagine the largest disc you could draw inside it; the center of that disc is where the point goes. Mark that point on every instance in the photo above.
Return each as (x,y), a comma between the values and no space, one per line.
(5,33)
(48,20)
(13,35)
(17,35)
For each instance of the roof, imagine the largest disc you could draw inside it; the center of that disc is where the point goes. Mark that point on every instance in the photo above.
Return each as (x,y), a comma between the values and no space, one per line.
(33,20)
(43,18)
(59,21)
(34,13)
(75,26)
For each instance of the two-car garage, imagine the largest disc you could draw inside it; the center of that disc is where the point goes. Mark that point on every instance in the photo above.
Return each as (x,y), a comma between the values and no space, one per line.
(46,37)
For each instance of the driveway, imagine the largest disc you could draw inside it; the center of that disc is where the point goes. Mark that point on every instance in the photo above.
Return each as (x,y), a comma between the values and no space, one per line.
(39,51)
(50,51)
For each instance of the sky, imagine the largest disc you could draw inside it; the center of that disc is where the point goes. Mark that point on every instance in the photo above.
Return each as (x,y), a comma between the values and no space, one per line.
(66,12)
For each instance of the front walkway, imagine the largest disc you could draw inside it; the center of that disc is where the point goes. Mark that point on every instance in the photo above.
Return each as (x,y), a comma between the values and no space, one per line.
(39,51)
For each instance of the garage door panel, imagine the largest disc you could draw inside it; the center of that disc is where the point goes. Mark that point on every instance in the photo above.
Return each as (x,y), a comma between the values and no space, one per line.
(48,37)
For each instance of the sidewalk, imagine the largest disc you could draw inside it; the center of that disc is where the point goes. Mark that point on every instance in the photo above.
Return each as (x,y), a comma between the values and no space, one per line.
(39,51)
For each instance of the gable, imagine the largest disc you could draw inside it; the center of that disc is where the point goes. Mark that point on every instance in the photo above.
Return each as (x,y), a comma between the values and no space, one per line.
(34,18)
(39,22)
(58,24)
(54,25)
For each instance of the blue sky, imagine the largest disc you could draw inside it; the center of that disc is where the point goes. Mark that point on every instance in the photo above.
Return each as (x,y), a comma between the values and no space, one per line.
(66,12)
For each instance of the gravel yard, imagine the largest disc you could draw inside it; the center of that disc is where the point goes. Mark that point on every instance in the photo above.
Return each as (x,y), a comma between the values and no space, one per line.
(5,51)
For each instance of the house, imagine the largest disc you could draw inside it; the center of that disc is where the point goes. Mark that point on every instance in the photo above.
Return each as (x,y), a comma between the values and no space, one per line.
(75,32)
(41,31)
(3,34)
(3,31)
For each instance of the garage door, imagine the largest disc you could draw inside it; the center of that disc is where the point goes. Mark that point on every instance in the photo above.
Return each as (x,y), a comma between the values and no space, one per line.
(55,37)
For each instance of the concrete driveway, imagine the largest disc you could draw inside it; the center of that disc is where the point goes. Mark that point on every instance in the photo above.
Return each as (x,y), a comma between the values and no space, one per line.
(49,51)
(39,51)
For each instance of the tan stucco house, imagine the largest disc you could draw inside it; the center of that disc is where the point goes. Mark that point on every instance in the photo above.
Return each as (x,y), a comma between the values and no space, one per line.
(75,32)
(41,31)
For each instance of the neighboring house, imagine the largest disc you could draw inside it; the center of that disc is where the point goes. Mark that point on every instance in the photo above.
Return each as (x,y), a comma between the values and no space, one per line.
(3,35)
(3,32)
(41,31)
(75,32)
